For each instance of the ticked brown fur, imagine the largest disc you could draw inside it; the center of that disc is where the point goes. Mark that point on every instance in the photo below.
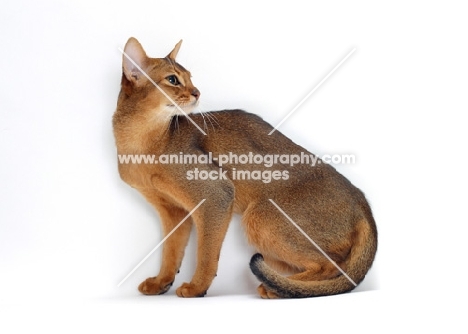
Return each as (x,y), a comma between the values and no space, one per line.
(327,207)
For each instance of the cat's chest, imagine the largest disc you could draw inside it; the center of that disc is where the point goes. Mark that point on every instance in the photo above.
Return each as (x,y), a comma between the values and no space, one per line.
(135,175)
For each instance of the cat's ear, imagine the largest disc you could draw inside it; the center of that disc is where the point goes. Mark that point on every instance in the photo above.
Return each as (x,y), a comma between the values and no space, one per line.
(131,67)
(173,54)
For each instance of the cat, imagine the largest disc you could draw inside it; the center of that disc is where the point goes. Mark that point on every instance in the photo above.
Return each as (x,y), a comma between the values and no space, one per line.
(154,117)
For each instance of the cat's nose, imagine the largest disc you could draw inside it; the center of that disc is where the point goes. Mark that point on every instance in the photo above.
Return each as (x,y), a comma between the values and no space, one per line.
(195,93)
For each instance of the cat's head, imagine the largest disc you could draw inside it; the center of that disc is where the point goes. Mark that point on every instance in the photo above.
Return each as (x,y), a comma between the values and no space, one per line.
(158,85)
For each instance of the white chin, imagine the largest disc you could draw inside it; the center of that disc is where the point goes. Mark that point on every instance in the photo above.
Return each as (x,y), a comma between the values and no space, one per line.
(183,110)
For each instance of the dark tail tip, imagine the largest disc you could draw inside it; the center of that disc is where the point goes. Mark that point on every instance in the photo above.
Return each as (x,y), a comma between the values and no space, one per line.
(254,262)
(261,272)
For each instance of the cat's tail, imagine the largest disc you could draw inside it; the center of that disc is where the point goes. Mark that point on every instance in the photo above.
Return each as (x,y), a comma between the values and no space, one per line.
(355,266)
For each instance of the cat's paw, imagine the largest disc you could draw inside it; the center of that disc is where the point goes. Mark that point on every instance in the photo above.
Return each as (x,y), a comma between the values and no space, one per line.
(265,293)
(155,286)
(190,290)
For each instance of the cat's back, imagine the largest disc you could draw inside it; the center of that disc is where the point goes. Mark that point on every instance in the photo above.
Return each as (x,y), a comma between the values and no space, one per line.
(233,129)
(217,123)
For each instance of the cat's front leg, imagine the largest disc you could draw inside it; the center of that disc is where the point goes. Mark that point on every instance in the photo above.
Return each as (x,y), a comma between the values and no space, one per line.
(173,249)
(211,221)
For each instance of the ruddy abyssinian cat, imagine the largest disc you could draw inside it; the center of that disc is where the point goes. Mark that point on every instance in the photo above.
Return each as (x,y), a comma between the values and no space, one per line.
(332,212)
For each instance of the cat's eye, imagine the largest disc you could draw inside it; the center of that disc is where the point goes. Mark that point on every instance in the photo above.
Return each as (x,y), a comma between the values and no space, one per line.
(173,80)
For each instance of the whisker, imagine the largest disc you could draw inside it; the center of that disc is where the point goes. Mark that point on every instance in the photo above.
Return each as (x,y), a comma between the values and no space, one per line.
(204,121)
(210,119)
(177,123)
(209,115)
(213,117)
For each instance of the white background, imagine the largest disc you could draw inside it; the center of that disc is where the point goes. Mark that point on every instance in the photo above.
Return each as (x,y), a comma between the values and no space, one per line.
(70,229)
